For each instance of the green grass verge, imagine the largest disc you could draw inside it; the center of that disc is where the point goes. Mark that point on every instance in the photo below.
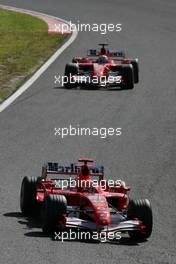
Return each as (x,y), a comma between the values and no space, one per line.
(24,46)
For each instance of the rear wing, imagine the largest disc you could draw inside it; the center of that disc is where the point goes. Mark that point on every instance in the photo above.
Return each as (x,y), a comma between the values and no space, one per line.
(93,52)
(56,168)
(109,53)
(116,53)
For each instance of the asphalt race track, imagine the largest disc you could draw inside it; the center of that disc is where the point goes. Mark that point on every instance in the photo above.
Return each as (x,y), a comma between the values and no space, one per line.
(144,155)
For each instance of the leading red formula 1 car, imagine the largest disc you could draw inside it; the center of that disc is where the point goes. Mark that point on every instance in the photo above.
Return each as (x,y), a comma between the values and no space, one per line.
(102,68)
(77,196)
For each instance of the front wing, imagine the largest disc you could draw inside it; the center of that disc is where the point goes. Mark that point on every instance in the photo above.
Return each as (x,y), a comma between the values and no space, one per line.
(125,226)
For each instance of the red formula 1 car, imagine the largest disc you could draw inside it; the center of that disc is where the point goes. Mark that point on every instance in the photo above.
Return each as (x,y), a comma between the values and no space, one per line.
(77,196)
(102,68)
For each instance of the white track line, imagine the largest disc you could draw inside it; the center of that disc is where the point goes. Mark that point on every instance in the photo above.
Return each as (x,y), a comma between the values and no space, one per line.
(43,68)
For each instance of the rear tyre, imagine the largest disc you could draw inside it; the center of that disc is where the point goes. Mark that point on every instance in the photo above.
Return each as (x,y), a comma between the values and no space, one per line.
(54,210)
(28,202)
(135,65)
(70,70)
(141,209)
(128,76)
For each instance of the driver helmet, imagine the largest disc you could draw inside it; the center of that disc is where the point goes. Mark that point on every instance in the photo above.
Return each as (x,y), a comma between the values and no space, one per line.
(103,59)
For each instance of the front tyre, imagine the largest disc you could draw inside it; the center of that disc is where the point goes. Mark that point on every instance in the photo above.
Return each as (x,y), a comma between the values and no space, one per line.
(28,202)
(141,209)
(128,76)
(70,70)
(135,65)
(53,212)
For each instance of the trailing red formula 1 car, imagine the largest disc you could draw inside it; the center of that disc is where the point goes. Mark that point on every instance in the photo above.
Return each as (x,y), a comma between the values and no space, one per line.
(77,196)
(104,67)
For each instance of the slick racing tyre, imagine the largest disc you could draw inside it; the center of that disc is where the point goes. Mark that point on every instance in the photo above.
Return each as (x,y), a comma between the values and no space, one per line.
(135,70)
(28,202)
(70,69)
(141,209)
(128,76)
(54,209)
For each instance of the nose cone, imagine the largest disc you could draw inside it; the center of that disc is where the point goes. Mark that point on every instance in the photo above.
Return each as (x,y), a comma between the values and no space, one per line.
(103,216)
(99,70)
(101,209)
